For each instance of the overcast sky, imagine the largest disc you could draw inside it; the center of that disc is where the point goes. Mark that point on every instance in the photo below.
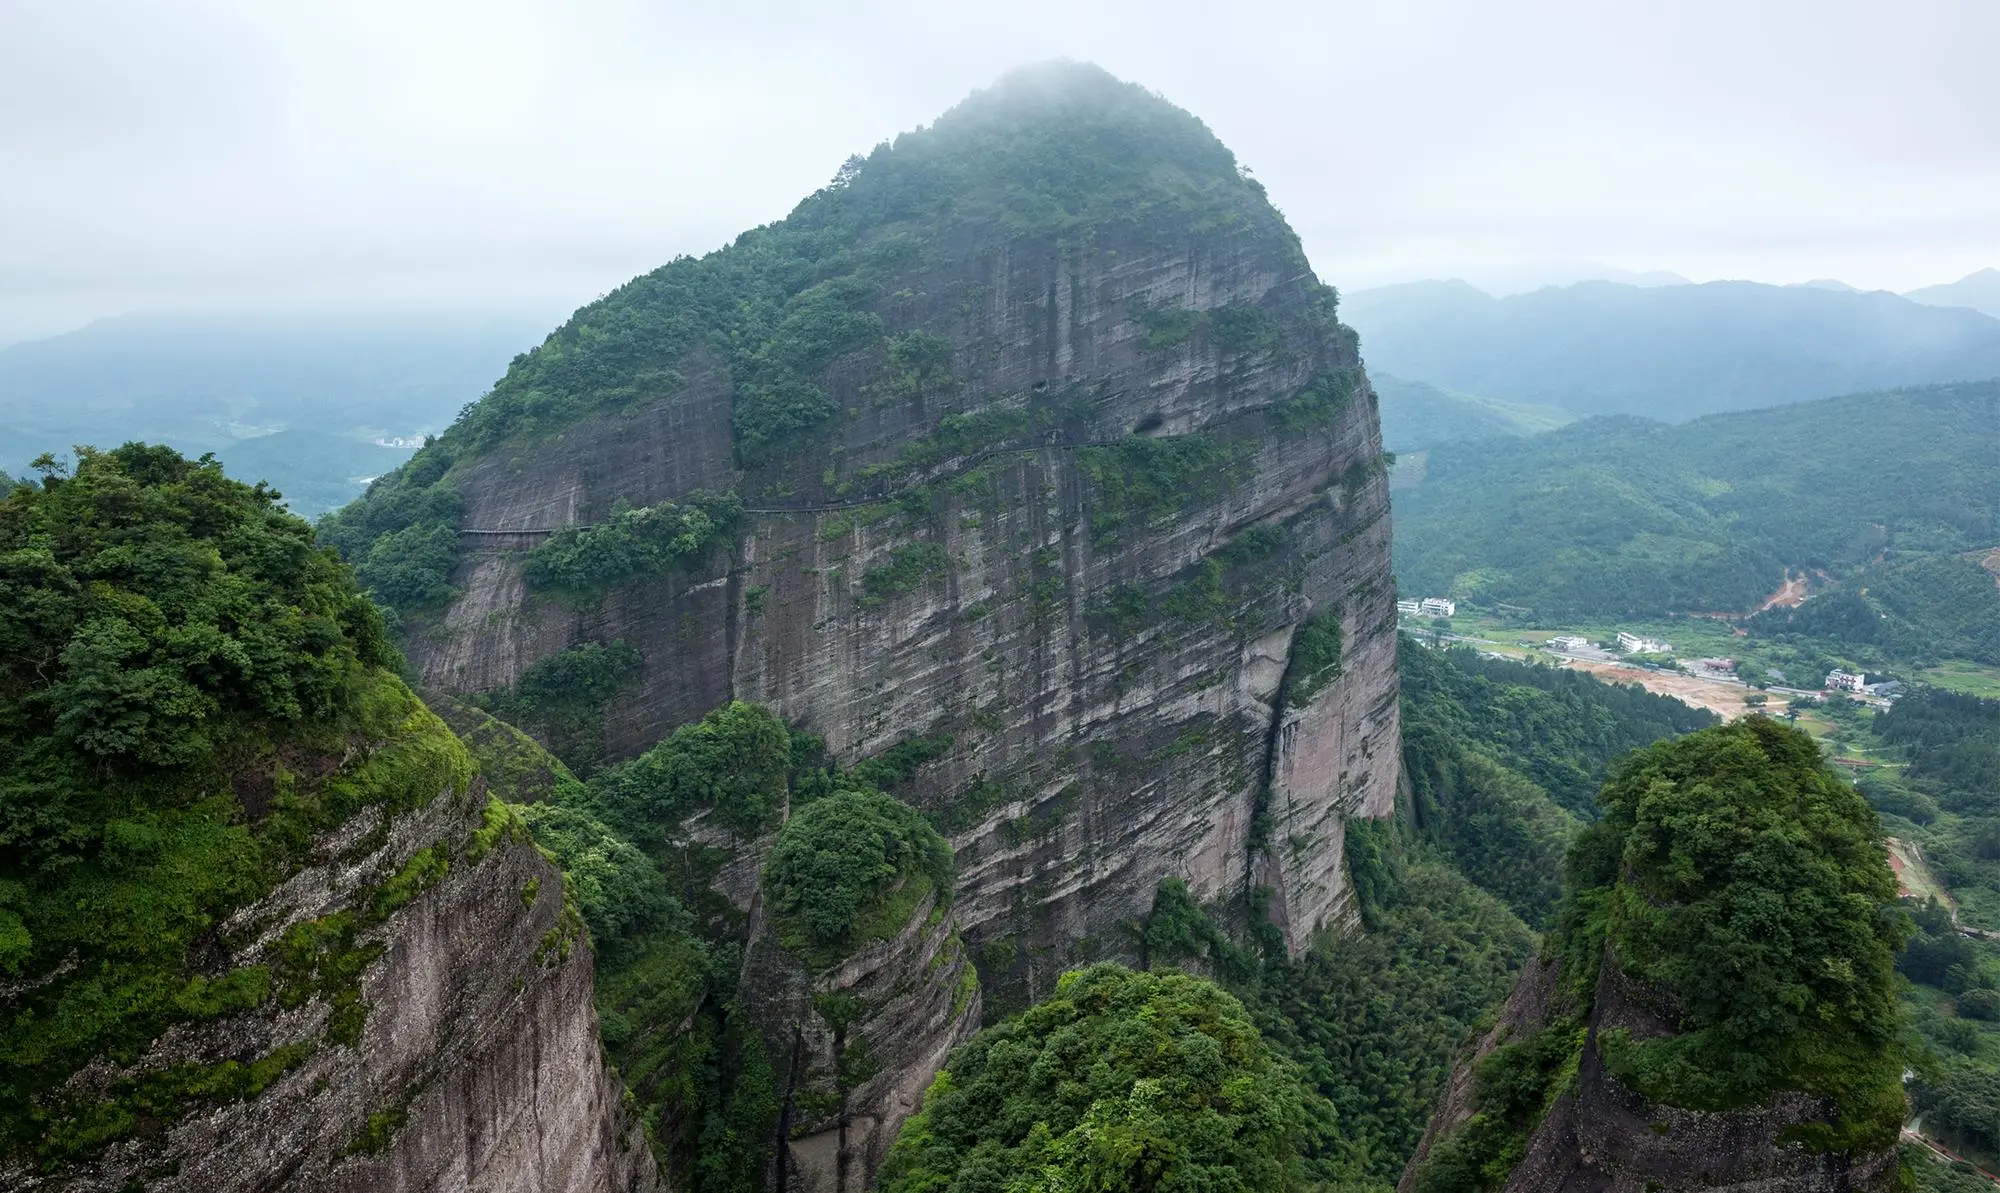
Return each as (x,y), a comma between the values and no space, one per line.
(214,151)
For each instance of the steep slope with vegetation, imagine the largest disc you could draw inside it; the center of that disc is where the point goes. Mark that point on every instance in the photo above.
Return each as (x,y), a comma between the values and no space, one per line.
(1363,1027)
(1417,415)
(1669,352)
(1717,1003)
(1503,758)
(1028,454)
(245,870)
(1934,776)
(1616,516)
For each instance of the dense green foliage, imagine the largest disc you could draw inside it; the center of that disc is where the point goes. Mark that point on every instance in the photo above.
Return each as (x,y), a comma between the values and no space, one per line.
(1741,891)
(563,696)
(1139,482)
(1611,516)
(851,867)
(733,763)
(1935,784)
(1314,660)
(171,639)
(1746,885)
(1912,608)
(1496,826)
(1558,727)
(1513,1086)
(1670,352)
(1373,1021)
(636,843)
(590,561)
(1118,1080)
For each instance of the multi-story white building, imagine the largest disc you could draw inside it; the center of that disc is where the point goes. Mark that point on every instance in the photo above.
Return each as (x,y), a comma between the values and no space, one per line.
(1568,642)
(1438,607)
(1843,681)
(1634,644)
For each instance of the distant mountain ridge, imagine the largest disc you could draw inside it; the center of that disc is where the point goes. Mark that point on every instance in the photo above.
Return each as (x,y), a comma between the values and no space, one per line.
(325,380)
(1980,291)
(1667,352)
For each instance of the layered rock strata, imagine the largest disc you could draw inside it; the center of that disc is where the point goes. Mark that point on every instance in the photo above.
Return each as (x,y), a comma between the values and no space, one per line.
(1090,759)
(476,1066)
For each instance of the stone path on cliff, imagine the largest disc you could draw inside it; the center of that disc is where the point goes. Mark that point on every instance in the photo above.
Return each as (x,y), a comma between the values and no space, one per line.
(527,538)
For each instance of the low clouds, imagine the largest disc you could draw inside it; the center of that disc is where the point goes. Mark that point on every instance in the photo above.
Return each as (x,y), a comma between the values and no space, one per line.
(211,151)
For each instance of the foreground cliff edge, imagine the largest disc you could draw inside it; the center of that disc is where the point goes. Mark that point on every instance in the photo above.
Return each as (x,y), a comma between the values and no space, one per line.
(1715,1008)
(1029,461)
(263,926)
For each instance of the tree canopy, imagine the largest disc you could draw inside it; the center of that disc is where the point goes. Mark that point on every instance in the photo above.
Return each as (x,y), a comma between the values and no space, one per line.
(1748,886)
(169,639)
(1117,1081)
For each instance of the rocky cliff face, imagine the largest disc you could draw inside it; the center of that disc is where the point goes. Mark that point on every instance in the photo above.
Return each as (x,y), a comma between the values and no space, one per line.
(449,1045)
(1599,1136)
(856,1046)
(1090,757)
(1093,506)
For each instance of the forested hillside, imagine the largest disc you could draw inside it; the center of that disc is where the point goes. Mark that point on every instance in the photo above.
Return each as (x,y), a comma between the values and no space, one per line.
(1417,415)
(1668,352)
(1616,516)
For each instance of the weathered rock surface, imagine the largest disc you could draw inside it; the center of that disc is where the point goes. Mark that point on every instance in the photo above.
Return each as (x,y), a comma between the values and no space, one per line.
(477,1067)
(1062,726)
(1601,1137)
(855,1045)
(1105,633)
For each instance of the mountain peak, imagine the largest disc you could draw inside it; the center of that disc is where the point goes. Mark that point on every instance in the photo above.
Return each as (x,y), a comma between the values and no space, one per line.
(1053,146)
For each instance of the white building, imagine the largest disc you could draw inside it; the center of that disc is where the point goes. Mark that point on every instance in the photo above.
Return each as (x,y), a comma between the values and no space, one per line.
(1634,644)
(1438,607)
(1409,608)
(1842,681)
(1568,642)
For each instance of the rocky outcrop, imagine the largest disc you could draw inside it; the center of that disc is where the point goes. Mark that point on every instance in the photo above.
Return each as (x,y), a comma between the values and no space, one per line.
(1121,539)
(1128,753)
(856,1044)
(476,1066)
(1600,1136)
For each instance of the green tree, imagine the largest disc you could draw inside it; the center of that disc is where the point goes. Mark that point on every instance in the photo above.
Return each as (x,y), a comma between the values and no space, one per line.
(1118,1081)
(1733,874)
(167,636)
(846,856)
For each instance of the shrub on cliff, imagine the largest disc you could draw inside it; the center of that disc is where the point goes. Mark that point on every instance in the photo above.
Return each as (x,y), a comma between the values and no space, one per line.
(736,761)
(1747,886)
(1117,1081)
(852,866)
(590,561)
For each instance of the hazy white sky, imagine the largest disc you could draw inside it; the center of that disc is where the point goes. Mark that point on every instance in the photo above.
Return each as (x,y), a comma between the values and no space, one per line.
(222,151)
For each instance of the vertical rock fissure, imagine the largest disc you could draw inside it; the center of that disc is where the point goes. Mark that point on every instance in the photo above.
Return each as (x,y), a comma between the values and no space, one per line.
(841,1156)
(782,1151)
(1259,838)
